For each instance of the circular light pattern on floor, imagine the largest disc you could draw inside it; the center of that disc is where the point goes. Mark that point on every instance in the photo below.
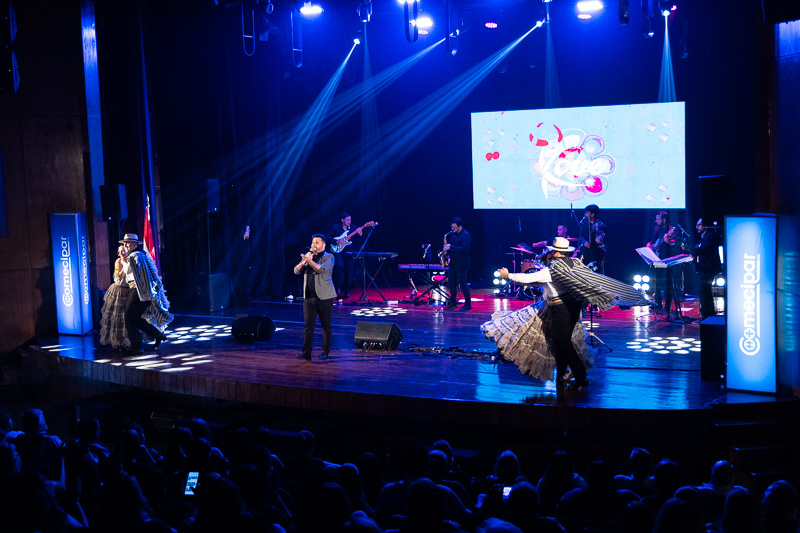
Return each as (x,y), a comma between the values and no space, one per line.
(665,345)
(378,311)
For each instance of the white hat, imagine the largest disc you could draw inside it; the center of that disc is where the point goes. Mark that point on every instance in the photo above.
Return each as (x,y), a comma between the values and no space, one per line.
(131,237)
(560,244)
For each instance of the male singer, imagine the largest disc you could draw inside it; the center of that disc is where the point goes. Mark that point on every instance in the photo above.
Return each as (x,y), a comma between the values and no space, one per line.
(318,294)
(458,243)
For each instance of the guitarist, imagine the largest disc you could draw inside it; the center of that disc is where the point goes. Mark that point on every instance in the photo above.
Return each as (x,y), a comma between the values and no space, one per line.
(663,244)
(343,268)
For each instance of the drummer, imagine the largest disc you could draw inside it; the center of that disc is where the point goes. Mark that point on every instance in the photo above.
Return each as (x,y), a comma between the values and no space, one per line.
(561,231)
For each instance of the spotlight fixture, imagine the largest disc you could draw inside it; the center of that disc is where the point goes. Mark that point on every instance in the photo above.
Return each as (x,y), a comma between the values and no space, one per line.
(645,287)
(356,41)
(646,278)
(637,278)
(424,22)
(491,25)
(496,274)
(586,9)
(496,281)
(310,9)
(720,281)
(364,11)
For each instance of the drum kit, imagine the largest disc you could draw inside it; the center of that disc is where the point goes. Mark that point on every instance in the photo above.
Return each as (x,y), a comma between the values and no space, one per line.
(529,262)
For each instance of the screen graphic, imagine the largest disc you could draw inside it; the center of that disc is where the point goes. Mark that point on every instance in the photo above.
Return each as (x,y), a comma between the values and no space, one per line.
(619,157)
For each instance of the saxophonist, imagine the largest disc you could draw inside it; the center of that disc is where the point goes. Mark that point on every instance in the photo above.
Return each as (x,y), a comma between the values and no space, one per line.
(457,244)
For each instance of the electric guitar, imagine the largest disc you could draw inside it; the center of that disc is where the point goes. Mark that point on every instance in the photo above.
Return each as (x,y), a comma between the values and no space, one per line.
(337,248)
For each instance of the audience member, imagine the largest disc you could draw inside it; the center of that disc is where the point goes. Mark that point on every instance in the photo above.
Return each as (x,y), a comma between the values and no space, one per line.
(558,479)
(678,516)
(438,471)
(640,481)
(601,500)
(779,508)
(426,510)
(637,518)
(714,492)
(742,513)
(393,499)
(668,479)
(39,451)
(523,511)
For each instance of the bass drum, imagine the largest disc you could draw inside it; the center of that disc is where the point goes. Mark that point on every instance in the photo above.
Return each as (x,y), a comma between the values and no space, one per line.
(532,292)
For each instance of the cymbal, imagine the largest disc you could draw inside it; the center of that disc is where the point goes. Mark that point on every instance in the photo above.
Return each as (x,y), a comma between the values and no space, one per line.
(573,239)
(521,249)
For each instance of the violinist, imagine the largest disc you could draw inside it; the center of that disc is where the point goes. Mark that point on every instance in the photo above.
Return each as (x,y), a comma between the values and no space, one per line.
(663,244)
(592,245)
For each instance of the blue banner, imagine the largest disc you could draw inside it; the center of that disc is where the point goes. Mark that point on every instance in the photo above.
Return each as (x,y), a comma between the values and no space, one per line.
(750,271)
(69,236)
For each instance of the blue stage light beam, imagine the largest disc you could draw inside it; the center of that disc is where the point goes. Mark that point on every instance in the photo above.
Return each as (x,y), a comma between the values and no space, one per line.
(666,86)
(406,135)
(552,94)
(296,148)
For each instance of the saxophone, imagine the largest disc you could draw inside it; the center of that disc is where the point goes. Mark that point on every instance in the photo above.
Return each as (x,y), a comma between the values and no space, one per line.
(444,259)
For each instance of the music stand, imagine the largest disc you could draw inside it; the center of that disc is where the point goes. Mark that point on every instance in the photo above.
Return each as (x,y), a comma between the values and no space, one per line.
(650,257)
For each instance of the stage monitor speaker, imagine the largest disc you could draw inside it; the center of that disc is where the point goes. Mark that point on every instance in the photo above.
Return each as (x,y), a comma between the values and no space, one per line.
(712,348)
(777,11)
(377,335)
(259,328)
(212,196)
(114,202)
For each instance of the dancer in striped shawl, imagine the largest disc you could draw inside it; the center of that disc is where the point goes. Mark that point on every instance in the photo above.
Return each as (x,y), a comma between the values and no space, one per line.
(148,307)
(567,285)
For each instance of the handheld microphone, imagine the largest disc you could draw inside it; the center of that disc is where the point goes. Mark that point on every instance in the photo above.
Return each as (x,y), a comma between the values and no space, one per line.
(582,220)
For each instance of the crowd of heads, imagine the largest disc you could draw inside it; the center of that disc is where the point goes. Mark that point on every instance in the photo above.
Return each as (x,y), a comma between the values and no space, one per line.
(193,483)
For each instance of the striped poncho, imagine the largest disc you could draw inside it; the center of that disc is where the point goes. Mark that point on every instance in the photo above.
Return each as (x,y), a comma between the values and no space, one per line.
(584,284)
(150,288)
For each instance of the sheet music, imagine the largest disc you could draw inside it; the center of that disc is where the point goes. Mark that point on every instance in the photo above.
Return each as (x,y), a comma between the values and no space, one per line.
(648,255)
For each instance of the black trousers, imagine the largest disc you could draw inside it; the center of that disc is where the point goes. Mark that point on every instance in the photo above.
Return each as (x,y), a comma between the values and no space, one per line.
(135,324)
(458,278)
(706,296)
(663,281)
(564,318)
(313,307)
(343,272)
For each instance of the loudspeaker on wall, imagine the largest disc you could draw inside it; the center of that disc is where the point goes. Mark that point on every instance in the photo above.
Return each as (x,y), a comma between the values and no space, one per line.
(113,202)
(259,328)
(776,11)
(212,196)
(377,336)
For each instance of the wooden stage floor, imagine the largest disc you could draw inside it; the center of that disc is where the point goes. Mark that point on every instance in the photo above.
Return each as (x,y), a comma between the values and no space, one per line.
(643,364)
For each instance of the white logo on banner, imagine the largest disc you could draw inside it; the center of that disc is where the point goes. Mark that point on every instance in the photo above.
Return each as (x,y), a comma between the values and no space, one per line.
(66,271)
(749,342)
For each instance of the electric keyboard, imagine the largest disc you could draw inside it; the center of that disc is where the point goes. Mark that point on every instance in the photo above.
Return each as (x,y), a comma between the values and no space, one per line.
(379,255)
(422,267)
(675,260)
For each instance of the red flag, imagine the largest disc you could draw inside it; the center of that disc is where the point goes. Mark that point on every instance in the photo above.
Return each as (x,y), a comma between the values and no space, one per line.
(149,242)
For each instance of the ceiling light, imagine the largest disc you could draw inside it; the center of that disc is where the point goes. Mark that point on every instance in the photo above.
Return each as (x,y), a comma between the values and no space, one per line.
(311,10)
